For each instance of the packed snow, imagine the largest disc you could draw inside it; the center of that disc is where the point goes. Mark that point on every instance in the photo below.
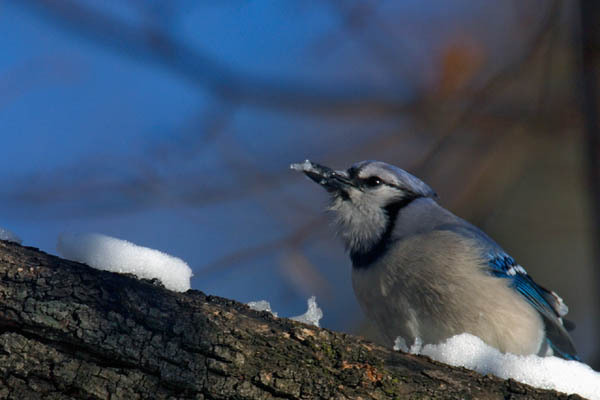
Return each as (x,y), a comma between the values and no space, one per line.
(312,316)
(7,235)
(469,351)
(415,348)
(262,305)
(116,255)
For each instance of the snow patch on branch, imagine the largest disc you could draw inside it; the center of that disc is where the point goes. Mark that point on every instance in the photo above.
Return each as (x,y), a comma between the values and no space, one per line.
(553,373)
(261,305)
(7,235)
(312,316)
(116,255)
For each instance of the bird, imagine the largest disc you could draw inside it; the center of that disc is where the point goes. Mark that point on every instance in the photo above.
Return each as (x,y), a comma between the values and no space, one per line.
(424,275)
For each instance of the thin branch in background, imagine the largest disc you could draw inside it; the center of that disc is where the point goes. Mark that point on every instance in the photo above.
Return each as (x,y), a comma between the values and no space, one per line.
(478,98)
(59,69)
(152,44)
(194,136)
(355,21)
(140,185)
(546,67)
(296,238)
(588,78)
(483,170)
(303,275)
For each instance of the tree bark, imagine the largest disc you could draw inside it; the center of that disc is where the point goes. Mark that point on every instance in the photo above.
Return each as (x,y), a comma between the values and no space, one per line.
(68,331)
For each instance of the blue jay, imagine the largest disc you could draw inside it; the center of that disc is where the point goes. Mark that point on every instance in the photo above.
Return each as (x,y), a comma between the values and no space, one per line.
(421,272)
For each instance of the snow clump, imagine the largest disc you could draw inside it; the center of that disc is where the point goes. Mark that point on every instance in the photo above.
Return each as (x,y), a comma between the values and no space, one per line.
(116,255)
(312,316)
(262,305)
(466,350)
(7,235)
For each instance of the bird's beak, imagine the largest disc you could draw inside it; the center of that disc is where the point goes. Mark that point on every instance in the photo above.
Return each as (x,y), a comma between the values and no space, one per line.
(332,181)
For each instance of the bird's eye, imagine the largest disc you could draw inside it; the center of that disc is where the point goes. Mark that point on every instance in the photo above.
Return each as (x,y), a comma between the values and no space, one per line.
(373,181)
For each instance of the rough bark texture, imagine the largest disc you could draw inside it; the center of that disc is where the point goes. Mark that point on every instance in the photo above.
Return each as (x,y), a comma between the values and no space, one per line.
(69,331)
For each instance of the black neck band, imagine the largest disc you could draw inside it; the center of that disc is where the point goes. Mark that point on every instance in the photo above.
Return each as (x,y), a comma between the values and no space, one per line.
(362,259)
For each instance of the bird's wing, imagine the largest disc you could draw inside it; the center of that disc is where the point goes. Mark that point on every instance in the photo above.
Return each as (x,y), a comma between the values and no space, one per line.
(547,303)
(550,306)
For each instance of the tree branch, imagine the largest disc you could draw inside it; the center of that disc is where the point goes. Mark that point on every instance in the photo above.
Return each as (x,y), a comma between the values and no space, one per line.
(68,331)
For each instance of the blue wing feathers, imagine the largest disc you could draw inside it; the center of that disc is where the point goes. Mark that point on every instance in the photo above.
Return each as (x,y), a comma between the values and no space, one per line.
(504,266)
(547,303)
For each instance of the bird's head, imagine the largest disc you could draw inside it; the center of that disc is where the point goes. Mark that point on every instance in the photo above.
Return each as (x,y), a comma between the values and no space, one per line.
(366,198)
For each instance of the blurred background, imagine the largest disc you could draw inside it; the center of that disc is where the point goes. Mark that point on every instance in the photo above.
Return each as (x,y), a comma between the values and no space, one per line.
(172,124)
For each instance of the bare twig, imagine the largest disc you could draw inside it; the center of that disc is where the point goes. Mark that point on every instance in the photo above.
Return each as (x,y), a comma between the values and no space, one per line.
(355,21)
(298,236)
